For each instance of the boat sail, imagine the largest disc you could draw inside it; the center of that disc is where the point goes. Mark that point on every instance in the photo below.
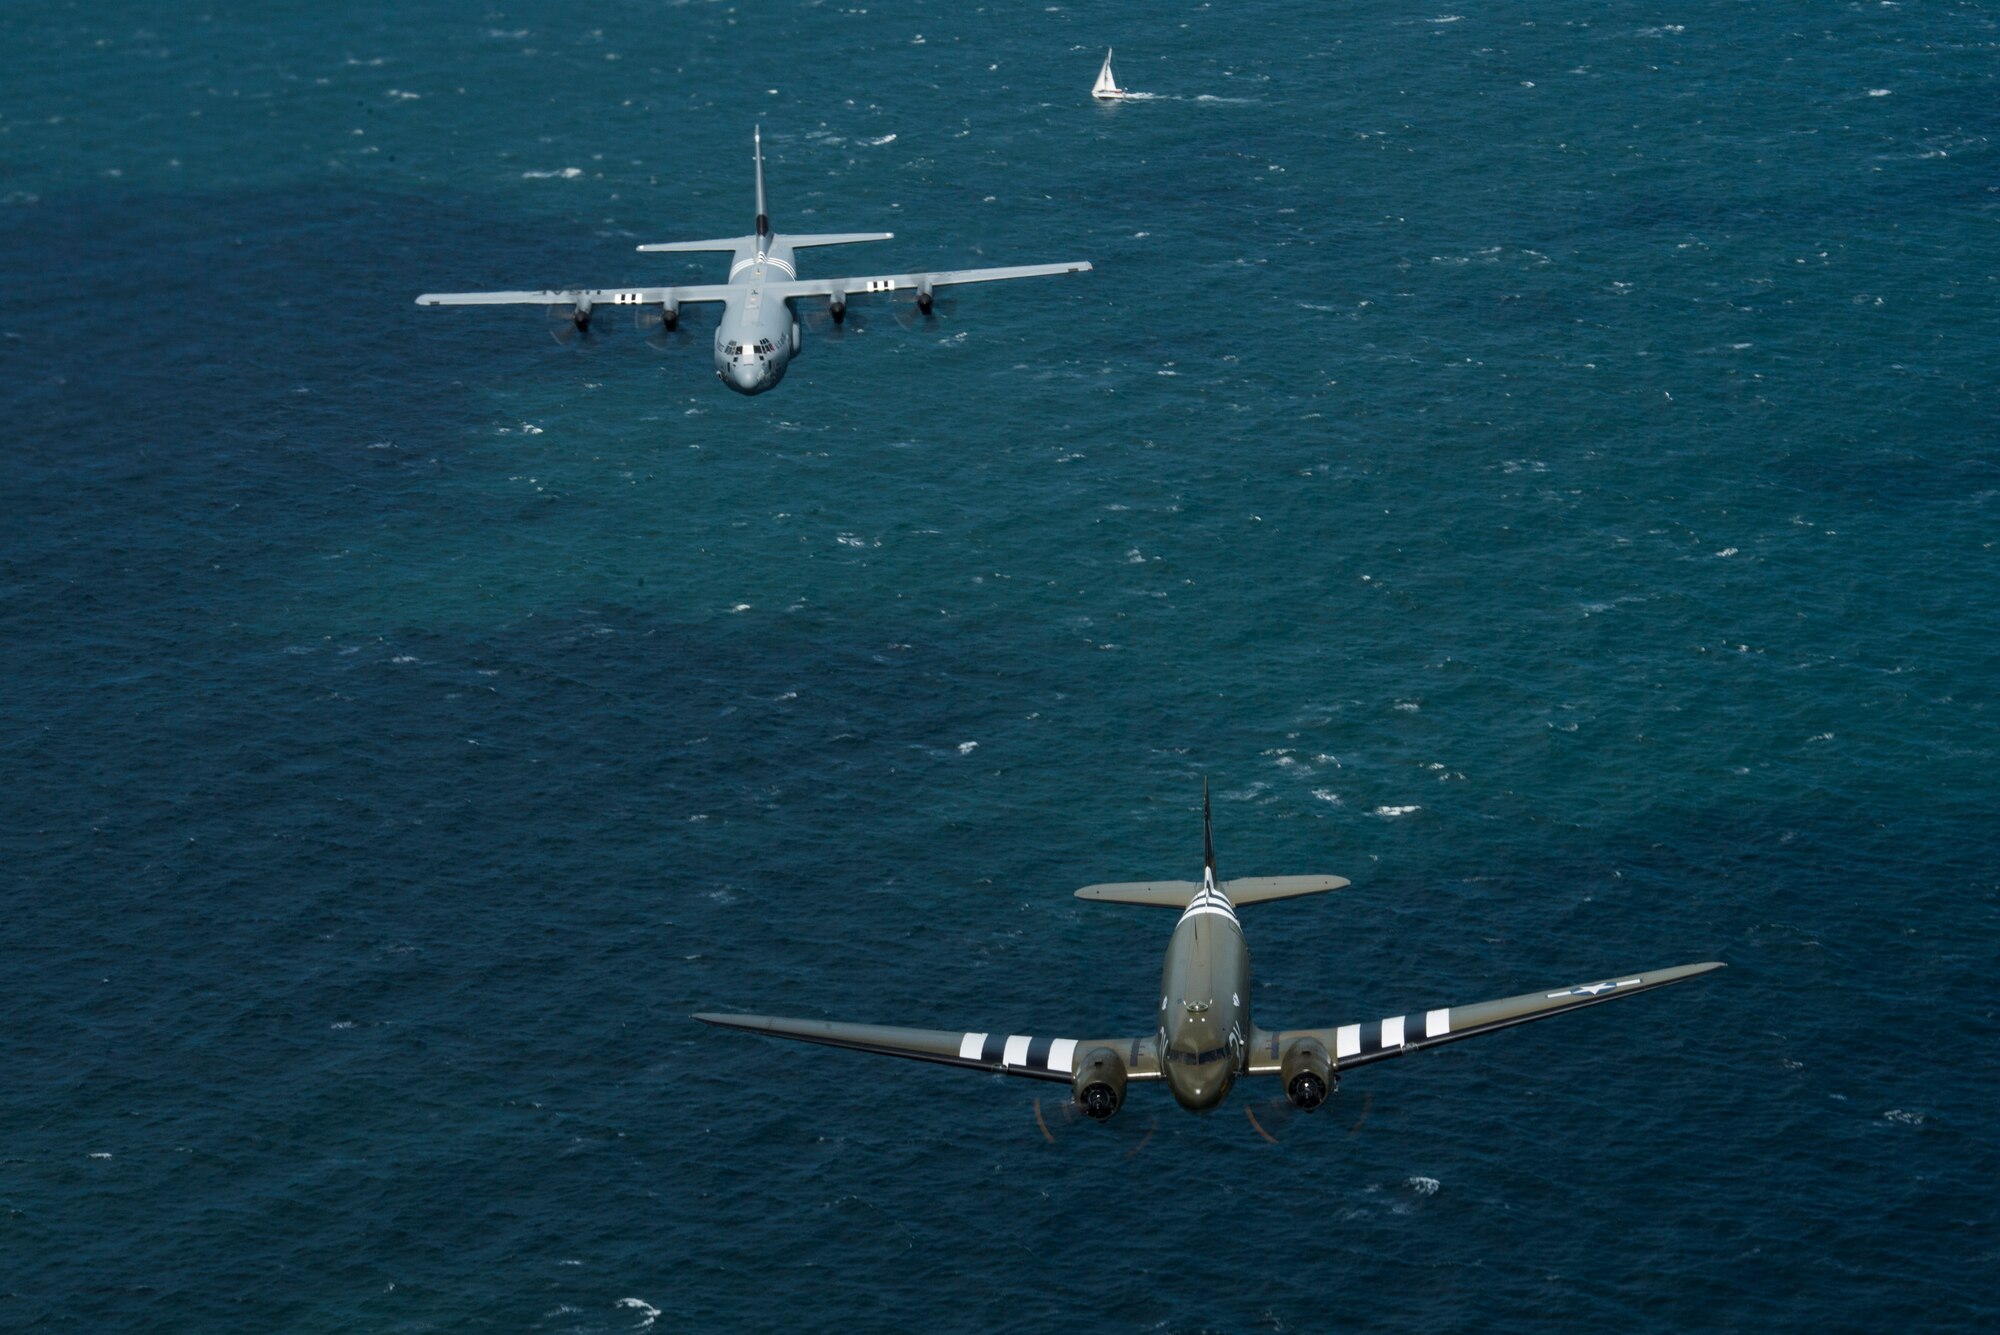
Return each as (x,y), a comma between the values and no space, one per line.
(1106,88)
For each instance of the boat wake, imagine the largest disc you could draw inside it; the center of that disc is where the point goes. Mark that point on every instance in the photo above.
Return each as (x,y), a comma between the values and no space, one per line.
(1106,89)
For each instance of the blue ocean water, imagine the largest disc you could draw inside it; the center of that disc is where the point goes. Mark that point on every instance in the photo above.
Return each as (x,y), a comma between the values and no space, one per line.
(1537,461)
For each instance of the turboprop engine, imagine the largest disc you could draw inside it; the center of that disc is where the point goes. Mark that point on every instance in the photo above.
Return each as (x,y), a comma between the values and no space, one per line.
(1099,1086)
(1308,1073)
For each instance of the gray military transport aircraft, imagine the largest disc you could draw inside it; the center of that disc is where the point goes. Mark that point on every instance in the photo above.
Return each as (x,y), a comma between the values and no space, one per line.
(759,332)
(1205,1038)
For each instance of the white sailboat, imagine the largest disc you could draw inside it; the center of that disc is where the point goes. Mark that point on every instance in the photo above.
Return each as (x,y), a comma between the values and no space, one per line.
(1106,88)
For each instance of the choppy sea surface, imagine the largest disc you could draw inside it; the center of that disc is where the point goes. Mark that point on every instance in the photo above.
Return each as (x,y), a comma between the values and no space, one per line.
(1540,462)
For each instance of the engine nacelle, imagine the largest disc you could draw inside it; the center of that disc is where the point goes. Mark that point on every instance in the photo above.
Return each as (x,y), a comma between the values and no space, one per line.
(1308,1073)
(838,310)
(1099,1086)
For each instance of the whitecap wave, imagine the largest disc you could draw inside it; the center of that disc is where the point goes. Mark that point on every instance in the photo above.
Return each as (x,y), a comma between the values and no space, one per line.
(646,1310)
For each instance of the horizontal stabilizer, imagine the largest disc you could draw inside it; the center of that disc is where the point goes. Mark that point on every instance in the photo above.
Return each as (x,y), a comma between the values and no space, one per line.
(834,238)
(1259,889)
(726,243)
(1158,894)
(1177,894)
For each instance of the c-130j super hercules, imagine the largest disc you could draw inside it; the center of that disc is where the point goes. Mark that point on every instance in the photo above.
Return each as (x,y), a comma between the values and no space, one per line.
(759,333)
(1205,1039)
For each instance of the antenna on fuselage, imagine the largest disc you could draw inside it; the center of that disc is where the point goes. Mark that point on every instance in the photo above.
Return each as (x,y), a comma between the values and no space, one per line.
(1207,832)
(763,218)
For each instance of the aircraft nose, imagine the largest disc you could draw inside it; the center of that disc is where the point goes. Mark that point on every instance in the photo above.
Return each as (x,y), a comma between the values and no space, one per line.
(1199,1089)
(745,377)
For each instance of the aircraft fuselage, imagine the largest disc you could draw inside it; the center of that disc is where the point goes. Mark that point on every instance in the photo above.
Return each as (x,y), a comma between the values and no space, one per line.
(758,336)
(1205,1000)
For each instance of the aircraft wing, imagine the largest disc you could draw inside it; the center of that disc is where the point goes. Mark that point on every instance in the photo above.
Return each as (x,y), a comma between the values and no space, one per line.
(1007,1054)
(846,289)
(1352,1045)
(596,296)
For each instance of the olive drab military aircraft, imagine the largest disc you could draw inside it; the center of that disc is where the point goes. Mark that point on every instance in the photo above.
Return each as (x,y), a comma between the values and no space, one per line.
(1205,1040)
(759,331)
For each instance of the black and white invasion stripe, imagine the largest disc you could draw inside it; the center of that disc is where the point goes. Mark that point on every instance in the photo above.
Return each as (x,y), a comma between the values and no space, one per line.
(1387,1035)
(1210,899)
(1019,1051)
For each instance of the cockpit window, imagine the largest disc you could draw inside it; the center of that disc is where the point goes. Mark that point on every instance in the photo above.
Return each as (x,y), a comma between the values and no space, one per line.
(1196,1058)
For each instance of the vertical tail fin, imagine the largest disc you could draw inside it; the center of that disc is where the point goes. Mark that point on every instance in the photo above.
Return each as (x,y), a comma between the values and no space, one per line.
(763,217)
(1207,833)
